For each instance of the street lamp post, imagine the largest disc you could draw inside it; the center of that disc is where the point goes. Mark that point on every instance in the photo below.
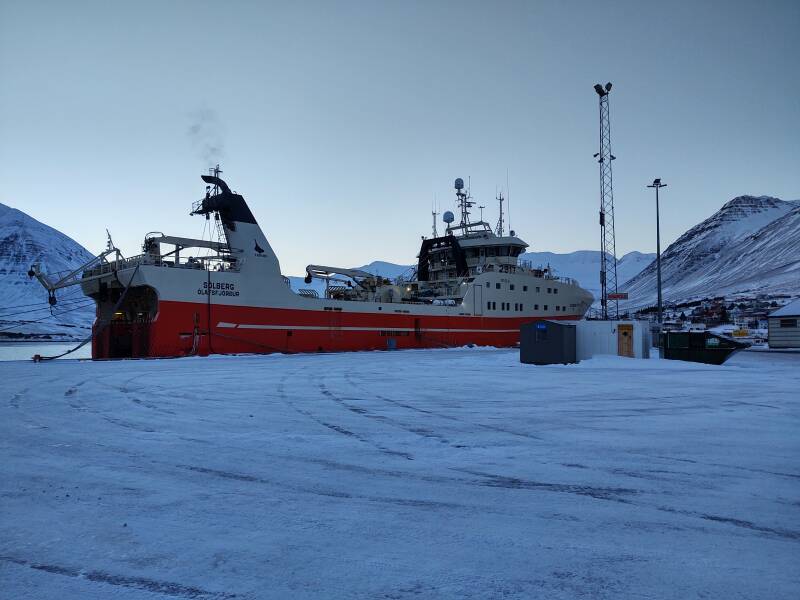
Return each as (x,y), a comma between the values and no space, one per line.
(658,185)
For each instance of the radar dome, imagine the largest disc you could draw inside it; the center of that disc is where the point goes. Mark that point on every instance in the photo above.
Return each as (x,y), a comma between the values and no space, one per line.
(459,184)
(448,217)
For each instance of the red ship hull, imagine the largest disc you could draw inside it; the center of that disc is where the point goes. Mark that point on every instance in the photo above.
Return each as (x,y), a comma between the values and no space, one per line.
(182,329)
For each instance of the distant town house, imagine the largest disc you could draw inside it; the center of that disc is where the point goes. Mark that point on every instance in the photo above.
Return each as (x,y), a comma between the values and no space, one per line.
(784,326)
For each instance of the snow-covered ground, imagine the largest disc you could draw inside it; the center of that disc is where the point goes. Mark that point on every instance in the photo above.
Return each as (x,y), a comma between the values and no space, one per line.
(424,474)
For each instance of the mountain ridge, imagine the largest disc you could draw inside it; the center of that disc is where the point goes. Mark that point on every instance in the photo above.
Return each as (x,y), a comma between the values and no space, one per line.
(24,308)
(749,246)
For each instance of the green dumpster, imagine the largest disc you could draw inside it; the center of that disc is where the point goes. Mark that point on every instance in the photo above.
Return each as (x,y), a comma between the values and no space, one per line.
(699,346)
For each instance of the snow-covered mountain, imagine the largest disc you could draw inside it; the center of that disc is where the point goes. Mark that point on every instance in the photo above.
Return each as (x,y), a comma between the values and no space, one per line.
(584,265)
(386,269)
(23,301)
(751,245)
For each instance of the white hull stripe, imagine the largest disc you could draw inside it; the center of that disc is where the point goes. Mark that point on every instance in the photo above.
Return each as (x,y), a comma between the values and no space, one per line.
(224,325)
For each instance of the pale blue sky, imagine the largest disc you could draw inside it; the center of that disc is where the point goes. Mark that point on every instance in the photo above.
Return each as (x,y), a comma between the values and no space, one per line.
(341,121)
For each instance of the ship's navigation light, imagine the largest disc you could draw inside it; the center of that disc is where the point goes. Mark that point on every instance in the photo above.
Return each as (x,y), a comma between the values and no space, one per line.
(307,277)
(448,217)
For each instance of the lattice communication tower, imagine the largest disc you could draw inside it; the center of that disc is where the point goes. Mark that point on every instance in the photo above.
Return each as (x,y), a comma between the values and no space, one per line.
(608,247)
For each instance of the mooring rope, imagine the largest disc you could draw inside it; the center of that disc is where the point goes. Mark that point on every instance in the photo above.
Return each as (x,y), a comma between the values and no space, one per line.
(102,325)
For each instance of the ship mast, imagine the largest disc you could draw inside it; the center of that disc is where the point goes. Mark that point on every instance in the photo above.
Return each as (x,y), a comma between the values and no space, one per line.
(216,172)
(499,229)
(435,214)
(465,202)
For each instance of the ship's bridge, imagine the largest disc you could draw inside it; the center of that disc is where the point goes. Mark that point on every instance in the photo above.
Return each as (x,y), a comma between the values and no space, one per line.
(476,250)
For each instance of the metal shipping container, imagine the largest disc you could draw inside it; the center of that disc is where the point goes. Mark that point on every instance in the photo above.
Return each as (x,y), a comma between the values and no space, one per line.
(547,343)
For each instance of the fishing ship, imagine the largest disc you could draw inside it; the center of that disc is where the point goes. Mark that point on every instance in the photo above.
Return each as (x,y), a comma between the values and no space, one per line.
(185,296)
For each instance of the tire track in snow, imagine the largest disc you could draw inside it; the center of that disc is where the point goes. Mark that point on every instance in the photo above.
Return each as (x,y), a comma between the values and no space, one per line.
(349,378)
(783,533)
(134,395)
(333,426)
(14,402)
(616,494)
(167,588)
(346,402)
(330,493)
(71,394)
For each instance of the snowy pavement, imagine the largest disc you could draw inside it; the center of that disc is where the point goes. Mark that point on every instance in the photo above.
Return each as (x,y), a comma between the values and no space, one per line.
(416,474)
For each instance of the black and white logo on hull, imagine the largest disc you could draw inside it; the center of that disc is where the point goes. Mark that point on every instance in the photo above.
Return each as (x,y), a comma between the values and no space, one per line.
(258,248)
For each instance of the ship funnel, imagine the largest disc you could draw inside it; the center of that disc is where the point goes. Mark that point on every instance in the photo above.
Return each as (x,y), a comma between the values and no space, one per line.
(217,182)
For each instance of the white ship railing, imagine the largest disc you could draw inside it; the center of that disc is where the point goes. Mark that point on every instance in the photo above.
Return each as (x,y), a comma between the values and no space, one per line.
(145,259)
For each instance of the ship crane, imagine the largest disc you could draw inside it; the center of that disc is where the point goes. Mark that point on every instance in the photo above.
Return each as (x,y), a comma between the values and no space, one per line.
(75,276)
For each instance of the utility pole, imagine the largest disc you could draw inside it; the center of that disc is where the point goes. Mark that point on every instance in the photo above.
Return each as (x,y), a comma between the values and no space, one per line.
(658,185)
(608,247)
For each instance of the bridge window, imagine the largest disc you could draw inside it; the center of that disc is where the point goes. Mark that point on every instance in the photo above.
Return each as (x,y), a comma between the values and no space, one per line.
(511,287)
(497,286)
(524,288)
